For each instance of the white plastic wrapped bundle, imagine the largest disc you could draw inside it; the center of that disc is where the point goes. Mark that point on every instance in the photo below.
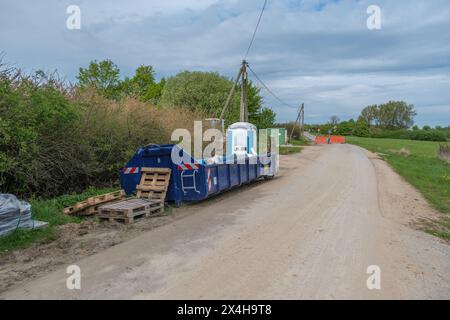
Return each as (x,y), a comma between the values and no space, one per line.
(14,214)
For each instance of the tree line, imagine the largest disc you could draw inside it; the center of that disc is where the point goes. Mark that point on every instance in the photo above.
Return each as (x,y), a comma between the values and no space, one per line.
(202,92)
(394,119)
(393,115)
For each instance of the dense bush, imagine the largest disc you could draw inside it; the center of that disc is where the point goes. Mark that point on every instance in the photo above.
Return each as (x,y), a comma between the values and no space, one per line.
(55,141)
(35,119)
(360,129)
(424,135)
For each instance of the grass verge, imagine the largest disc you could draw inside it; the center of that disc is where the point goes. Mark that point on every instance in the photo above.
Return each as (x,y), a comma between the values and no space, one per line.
(418,163)
(300,142)
(285,150)
(51,212)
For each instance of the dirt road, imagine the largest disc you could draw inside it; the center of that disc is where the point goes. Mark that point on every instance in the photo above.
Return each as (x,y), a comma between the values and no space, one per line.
(310,233)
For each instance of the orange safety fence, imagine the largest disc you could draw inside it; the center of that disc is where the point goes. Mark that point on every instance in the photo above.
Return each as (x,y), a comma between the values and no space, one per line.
(333,140)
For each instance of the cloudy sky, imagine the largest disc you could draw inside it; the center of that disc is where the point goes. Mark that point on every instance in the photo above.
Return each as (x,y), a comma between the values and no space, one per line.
(313,51)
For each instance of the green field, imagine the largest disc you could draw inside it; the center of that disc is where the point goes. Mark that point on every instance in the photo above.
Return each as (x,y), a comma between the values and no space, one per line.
(418,163)
(51,212)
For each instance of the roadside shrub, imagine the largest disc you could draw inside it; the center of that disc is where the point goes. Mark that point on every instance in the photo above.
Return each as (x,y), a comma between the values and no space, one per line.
(55,141)
(431,135)
(361,129)
(345,128)
(111,131)
(35,118)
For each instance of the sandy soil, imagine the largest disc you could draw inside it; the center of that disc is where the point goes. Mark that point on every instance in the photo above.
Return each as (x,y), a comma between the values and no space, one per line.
(310,233)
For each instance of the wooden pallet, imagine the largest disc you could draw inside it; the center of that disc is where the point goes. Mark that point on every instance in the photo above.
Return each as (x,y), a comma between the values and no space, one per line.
(90,206)
(128,210)
(154,183)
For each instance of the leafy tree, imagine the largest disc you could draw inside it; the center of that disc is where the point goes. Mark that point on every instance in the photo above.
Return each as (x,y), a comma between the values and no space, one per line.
(154,93)
(204,92)
(397,115)
(103,76)
(361,129)
(426,128)
(345,128)
(142,85)
(370,114)
(143,79)
(391,115)
(415,127)
(207,92)
(265,118)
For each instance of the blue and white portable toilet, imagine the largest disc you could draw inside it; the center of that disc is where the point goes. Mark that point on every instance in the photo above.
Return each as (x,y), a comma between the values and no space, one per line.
(242,139)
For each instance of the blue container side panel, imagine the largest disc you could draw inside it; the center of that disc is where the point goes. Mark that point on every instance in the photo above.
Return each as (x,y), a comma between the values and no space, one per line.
(197,184)
(252,172)
(234,175)
(223,177)
(243,173)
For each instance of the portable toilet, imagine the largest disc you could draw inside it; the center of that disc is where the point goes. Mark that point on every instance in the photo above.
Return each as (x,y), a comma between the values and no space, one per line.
(242,139)
(282,135)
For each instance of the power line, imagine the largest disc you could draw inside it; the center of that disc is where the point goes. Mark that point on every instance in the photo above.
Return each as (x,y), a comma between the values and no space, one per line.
(268,90)
(256,29)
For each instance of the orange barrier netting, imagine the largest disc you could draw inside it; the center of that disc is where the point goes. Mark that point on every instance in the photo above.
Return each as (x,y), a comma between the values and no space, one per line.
(333,140)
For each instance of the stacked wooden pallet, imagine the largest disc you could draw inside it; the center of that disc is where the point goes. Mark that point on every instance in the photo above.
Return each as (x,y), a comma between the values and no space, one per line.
(91,205)
(151,194)
(129,210)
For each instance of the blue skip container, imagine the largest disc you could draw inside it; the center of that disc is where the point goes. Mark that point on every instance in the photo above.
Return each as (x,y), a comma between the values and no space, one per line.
(197,180)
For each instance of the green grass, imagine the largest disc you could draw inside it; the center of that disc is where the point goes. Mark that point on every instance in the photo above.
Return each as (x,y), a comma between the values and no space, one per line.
(51,212)
(290,150)
(418,163)
(300,142)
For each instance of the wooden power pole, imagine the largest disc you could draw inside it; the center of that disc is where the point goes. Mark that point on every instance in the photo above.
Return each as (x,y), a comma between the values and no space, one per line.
(243,76)
(243,110)
(300,121)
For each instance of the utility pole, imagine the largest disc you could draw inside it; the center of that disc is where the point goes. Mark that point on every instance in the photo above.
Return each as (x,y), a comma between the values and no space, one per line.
(302,121)
(243,76)
(243,109)
(300,114)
